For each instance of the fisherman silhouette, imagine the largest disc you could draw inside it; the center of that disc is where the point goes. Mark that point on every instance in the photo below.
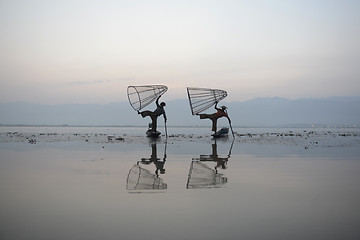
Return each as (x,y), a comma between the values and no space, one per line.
(155,114)
(221,112)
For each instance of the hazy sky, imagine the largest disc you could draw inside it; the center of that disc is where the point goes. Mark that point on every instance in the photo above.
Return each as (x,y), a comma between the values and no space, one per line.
(72,51)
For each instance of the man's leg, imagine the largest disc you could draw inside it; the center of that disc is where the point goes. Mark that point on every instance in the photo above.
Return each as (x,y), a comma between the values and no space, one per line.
(154,123)
(146,113)
(214,124)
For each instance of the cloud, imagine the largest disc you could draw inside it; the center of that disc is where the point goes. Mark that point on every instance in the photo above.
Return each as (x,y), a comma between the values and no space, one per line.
(88,82)
(125,79)
(98,81)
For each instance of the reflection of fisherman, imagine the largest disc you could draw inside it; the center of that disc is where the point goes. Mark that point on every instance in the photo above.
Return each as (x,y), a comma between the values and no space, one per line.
(153,156)
(160,166)
(155,114)
(154,159)
(220,161)
(221,112)
(203,176)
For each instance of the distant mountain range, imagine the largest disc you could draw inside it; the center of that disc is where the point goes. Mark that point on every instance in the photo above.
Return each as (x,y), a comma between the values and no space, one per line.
(259,112)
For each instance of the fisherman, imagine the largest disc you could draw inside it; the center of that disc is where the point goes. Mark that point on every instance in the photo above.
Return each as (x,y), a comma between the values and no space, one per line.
(155,114)
(221,112)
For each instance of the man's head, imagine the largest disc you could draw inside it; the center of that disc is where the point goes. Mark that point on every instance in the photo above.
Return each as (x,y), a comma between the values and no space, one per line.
(162,104)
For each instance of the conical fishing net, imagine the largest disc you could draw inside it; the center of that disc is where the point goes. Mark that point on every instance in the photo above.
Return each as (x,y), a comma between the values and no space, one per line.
(201,176)
(142,179)
(141,96)
(201,99)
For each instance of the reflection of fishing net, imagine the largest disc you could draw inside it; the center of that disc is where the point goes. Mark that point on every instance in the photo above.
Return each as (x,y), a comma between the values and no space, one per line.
(201,176)
(142,179)
(141,96)
(201,99)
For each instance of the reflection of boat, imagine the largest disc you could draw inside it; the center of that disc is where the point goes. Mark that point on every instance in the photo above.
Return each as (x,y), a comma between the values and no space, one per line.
(201,176)
(142,179)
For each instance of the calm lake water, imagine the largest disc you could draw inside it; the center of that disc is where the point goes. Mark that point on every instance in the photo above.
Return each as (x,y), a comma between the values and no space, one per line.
(202,189)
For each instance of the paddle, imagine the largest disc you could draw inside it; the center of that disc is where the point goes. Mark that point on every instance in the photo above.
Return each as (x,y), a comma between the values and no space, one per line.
(232,131)
(166,130)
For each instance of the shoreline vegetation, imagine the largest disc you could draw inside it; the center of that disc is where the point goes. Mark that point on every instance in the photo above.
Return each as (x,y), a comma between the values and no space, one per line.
(303,137)
(188,126)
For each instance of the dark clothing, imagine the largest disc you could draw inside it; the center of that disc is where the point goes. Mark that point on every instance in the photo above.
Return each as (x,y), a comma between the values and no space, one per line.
(159,110)
(154,115)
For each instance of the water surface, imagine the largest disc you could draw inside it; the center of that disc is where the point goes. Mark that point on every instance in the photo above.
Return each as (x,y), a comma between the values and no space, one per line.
(178,190)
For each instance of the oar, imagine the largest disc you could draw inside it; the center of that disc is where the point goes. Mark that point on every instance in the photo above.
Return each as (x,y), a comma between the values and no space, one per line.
(166,130)
(165,156)
(232,131)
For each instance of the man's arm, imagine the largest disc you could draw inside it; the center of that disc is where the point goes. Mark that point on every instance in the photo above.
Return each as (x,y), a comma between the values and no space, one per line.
(165,118)
(157,101)
(227,116)
(216,106)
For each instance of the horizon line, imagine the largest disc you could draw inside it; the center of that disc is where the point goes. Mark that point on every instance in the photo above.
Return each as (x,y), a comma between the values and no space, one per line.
(189,126)
(175,99)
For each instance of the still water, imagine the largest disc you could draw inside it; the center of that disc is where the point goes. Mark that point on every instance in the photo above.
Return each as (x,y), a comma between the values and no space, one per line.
(178,190)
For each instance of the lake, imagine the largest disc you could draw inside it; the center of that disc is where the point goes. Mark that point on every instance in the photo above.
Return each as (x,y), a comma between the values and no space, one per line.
(77,183)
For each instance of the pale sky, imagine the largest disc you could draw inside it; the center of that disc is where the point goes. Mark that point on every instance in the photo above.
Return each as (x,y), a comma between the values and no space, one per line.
(72,51)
